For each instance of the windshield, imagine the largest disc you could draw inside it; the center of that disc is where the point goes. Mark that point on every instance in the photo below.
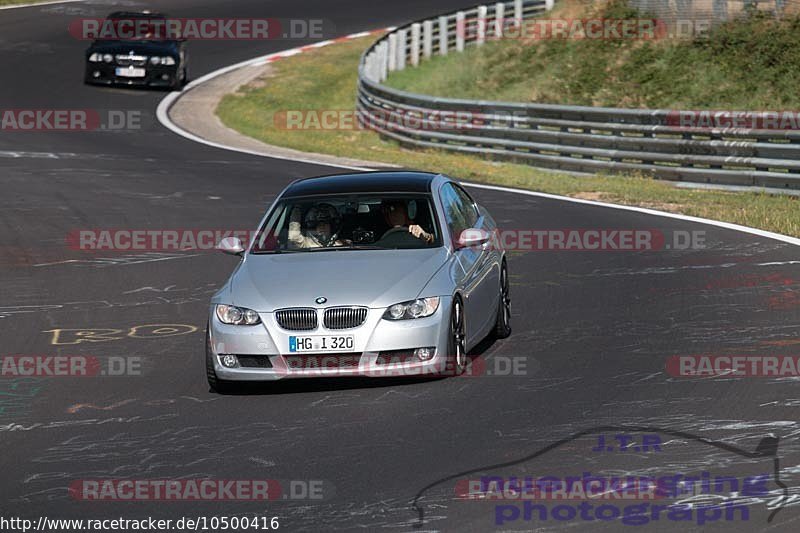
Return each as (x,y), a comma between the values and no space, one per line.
(351,222)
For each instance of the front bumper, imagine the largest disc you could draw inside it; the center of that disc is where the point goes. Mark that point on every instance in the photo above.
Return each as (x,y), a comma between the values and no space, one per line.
(382,348)
(155,76)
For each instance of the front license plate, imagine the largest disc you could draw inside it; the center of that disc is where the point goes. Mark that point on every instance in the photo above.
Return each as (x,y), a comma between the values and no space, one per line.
(321,343)
(127,72)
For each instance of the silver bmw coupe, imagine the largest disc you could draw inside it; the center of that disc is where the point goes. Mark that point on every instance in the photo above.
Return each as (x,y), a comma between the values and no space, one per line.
(367,274)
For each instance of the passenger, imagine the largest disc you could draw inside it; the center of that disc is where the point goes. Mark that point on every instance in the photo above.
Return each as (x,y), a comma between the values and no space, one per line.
(322,224)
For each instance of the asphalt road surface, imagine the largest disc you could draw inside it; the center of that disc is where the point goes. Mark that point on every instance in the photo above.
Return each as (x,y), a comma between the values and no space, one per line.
(592,332)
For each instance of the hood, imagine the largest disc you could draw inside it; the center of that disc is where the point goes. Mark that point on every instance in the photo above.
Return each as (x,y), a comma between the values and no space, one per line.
(371,278)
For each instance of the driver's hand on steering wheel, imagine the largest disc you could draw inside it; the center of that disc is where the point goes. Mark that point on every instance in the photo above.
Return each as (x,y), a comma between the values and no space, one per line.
(420,233)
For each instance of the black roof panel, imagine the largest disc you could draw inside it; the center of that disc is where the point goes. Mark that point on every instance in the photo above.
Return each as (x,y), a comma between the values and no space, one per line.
(399,181)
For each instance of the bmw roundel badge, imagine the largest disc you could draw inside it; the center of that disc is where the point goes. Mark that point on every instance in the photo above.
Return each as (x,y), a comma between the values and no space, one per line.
(321,300)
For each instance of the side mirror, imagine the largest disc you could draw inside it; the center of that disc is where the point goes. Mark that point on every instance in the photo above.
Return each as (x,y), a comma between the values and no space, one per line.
(473,237)
(231,245)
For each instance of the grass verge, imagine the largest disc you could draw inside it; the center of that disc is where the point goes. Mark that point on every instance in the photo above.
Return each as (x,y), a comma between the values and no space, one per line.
(325,79)
(745,64)
(13,2)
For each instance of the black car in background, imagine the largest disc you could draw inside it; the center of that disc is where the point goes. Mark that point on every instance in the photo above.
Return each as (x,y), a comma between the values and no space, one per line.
(144,57)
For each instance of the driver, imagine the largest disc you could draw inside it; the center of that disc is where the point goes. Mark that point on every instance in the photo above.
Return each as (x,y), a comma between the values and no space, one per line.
(322,223)
(396,214)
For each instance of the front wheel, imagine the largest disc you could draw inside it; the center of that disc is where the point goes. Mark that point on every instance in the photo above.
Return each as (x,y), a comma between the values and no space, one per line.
(457,343)
(502,327)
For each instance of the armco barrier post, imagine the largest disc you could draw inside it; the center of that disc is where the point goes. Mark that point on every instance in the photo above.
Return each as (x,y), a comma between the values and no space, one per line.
(481,37)
(427,39)
(384,51)
(416,28)
(461,28)
(499,15)
(392,63)
(443,36)
(402,47)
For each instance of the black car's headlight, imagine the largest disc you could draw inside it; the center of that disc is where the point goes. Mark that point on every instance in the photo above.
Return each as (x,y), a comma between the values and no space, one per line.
(96,58)
(419,308)
(237,316)
(166,60)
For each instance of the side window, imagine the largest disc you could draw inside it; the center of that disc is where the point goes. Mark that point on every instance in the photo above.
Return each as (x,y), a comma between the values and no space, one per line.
(454,212)
(468,206)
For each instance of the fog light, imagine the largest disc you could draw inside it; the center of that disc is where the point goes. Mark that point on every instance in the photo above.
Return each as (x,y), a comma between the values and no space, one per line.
(229,361)
(96,74)
(424,354)
(165,77)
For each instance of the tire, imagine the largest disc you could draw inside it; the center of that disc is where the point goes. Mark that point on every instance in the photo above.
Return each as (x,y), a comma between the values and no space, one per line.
(502,327)
(180,80)
(217,385)
(456,343)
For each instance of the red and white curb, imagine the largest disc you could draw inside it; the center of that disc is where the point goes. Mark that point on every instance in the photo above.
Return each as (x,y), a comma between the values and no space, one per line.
(169,100)
(294,51)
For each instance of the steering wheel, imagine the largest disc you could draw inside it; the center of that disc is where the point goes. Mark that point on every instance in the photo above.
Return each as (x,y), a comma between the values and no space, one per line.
(398,236)
(392,231)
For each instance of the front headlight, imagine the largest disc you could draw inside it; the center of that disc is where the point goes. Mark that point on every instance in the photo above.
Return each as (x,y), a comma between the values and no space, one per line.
(108,58)
(418,308)
(96,58)
(166,60)
(237,316)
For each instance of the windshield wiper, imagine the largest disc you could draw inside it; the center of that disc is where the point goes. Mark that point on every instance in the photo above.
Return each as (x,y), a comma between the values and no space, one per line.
(348,247)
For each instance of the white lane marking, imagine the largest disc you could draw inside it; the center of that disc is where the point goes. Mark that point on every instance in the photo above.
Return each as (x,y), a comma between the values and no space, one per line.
(166,103)
(646,211)
(162,112)
(37,4)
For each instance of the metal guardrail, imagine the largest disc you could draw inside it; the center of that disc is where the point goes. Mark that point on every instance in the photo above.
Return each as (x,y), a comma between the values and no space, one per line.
(572,138)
